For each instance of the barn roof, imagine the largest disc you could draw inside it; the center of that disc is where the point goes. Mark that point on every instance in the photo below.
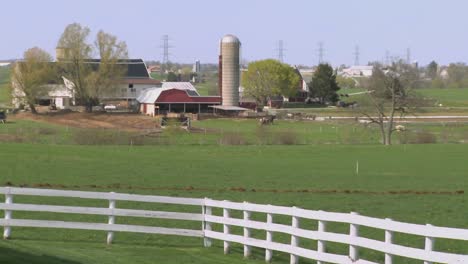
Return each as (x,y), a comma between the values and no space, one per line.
(179,86)
(174,95)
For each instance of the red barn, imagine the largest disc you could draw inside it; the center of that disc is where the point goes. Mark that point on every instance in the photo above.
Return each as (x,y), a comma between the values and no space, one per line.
(176,98)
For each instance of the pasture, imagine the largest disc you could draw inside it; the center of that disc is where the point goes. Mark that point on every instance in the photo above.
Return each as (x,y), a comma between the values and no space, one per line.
(413,183)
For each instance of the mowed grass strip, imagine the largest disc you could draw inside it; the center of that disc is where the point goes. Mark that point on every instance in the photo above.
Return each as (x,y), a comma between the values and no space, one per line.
(282,175)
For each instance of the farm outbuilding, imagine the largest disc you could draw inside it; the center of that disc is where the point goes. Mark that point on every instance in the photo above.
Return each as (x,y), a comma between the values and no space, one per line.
(176,98)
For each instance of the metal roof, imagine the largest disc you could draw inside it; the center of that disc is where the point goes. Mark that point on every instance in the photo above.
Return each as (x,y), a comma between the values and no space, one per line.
(229,108)
(179,86)
(150,95)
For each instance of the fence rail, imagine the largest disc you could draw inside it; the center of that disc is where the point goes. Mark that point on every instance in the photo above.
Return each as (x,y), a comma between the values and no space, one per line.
(207,218)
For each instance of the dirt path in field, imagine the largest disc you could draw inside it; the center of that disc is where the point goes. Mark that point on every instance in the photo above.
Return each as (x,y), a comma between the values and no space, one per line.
(123,121)
(238,189)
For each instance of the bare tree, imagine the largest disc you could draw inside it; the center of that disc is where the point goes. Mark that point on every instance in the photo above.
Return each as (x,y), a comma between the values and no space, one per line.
(30,76)
(390,97)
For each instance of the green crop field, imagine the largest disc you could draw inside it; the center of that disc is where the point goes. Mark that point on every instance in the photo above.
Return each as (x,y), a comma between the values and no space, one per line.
(413,183)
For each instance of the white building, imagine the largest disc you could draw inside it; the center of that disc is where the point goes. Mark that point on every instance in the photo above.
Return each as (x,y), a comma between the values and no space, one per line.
(357,71)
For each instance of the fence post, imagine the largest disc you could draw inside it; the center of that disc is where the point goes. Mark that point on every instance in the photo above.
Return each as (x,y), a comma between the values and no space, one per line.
(247,248)
(226,230)
(428,245)
(388,241)
(294,239)
(111,221)
(8,213)
(322,226)
(206,225)
(269,238)
(353,233)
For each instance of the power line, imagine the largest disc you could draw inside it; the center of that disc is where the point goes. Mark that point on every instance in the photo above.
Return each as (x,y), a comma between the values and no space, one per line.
(356,54)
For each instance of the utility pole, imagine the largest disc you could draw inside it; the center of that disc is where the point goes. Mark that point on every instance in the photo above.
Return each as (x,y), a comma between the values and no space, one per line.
(356,54)
(320,52)
(280,51)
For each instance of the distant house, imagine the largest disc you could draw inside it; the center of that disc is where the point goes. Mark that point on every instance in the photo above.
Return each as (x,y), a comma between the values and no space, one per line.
(357,71)
(4,63)
(154,68)
(176,97)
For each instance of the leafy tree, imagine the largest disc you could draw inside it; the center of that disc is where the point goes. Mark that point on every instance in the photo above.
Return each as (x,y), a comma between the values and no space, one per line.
(432,69)
(389,95)
(457,75)
(268,78)
(172,77)
(31,75)
(324,85)
(343,82)
(90,82)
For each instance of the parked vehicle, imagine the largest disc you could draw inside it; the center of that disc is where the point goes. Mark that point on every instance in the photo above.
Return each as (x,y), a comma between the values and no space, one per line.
(110,107)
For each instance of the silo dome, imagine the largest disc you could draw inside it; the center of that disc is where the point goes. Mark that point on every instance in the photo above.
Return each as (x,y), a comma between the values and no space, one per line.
(230,39)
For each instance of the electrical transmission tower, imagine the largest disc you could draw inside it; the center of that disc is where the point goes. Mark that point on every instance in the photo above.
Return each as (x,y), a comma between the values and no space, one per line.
(408,55)
(280,51)
(387,57)
(356,54)
(320,52)
(165,46)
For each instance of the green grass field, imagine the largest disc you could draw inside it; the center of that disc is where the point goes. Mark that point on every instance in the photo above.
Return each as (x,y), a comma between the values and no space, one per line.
(283,175)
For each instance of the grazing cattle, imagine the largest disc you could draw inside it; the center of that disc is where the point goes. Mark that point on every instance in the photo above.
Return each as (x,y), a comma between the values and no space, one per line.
(268,120)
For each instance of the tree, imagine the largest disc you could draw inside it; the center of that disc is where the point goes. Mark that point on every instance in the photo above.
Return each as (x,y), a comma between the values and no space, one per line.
(389,95)
(457,75)
(31,75)
(91,82)
(347,83)
(268,78)
(106,78)
(172,77)
(432,70)
(323,85)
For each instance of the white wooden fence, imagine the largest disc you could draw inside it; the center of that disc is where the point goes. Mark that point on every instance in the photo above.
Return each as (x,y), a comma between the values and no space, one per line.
(207,218)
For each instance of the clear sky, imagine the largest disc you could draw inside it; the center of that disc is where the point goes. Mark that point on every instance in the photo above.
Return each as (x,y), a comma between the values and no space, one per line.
(432,29)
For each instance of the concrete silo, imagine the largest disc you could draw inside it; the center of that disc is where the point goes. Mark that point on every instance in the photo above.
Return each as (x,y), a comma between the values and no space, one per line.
(229,69)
